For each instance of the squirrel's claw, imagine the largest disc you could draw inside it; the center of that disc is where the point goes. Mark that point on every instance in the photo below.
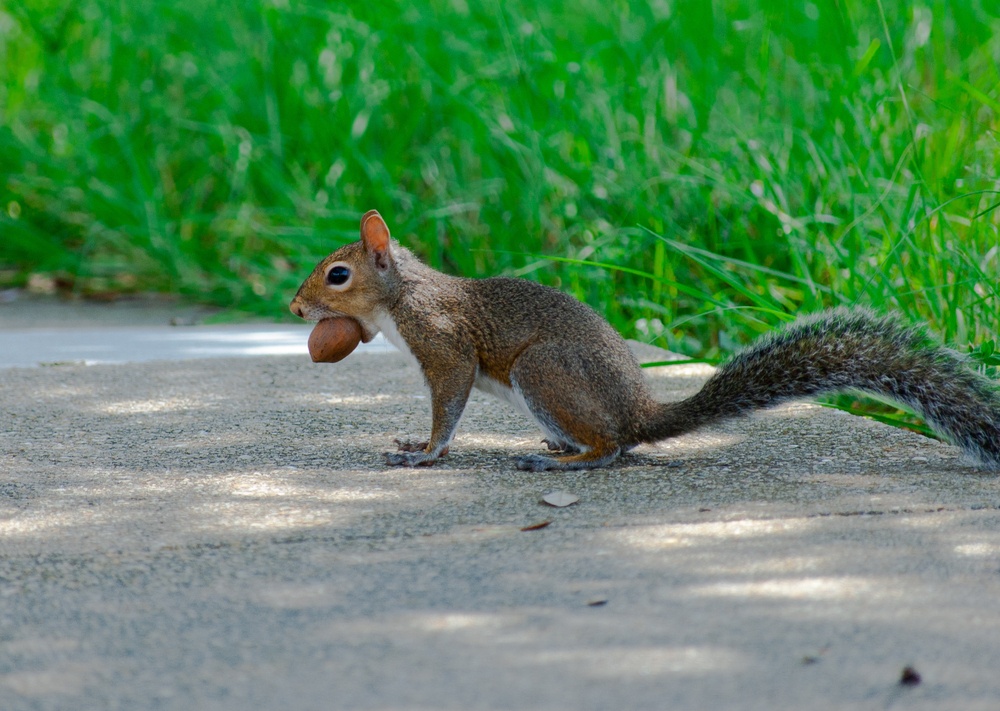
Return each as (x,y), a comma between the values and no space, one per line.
(555,445)
(407,445)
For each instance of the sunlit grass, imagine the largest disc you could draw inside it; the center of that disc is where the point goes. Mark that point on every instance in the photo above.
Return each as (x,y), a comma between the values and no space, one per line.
(701,170)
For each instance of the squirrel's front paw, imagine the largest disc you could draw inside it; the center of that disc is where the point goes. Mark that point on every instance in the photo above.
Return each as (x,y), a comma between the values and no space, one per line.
(409,459)
(408,445)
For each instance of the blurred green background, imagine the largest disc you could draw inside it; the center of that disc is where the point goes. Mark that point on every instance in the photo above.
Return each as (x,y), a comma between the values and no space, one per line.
(694,169)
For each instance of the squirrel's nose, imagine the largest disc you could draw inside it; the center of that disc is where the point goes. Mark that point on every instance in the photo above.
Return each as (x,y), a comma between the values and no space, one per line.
(295,308)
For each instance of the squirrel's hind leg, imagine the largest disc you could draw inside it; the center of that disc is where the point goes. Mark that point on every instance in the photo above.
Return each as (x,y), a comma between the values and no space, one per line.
(557,391)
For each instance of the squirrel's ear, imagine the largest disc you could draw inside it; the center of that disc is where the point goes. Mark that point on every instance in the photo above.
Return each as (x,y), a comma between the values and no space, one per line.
(375,236)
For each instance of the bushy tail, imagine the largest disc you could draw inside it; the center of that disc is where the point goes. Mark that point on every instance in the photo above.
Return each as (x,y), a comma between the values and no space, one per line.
(849,350)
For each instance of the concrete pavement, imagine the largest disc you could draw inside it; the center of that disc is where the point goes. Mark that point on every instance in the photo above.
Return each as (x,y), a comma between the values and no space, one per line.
(36,331)
(222,534)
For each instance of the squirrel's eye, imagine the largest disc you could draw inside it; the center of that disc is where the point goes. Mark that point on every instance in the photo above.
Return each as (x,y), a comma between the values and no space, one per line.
(338,275)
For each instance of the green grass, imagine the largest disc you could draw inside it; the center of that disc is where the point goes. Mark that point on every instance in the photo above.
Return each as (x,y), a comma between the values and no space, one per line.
(701,170)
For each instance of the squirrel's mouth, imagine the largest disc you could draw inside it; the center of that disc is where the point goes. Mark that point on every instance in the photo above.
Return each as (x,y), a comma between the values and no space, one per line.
(311,313)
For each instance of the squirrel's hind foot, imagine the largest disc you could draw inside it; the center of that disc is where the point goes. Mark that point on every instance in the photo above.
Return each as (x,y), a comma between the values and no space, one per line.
(585,460)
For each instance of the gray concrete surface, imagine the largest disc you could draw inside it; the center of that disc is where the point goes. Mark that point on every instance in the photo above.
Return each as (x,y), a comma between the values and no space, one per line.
(135,344)
(46,331)
(222,534)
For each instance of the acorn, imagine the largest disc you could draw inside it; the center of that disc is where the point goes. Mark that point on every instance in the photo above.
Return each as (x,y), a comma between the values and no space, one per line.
(334,339)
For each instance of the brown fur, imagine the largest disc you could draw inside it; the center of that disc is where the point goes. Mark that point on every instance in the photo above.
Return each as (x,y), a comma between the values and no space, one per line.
(560,361)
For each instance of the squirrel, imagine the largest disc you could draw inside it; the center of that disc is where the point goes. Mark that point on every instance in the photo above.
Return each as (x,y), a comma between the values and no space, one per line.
(561,363)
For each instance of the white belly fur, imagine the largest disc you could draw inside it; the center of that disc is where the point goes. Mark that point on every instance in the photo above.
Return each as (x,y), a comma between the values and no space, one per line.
(503,392)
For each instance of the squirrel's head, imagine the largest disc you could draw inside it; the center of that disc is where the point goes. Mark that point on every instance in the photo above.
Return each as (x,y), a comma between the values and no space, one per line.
(357,280)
